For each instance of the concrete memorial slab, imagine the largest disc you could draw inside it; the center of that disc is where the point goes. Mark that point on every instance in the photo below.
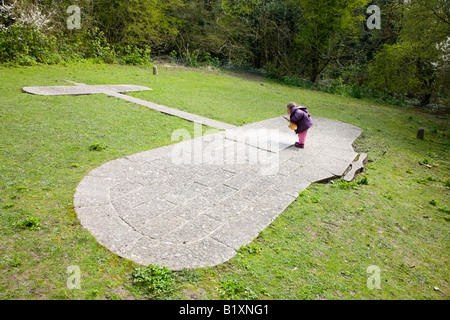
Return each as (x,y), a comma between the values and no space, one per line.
(154,209)
(257,135)
(195,203)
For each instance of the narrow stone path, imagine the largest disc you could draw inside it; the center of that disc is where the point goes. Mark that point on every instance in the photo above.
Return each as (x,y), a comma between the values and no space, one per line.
(117,91)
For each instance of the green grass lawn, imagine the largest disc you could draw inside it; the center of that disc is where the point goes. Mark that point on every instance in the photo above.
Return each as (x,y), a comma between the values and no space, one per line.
(319,248)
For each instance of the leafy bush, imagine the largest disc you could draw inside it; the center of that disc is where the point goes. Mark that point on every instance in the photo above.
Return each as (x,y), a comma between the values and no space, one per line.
(173,56)
(97,147)
(191,59)
(25,37)
(338,86)
(27,45)
(8,206)
(363,181)
(96,46)
(154,279)
(250,249)
(236,290)
(210,61)
(29,222)
(342,184)
(133,55)
(444,209)
(405,70)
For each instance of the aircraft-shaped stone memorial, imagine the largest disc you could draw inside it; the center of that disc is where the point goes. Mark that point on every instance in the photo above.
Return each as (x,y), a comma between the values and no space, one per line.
(152,208)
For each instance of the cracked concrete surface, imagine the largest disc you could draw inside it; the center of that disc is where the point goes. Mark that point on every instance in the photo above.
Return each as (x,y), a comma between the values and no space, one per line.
(167,207)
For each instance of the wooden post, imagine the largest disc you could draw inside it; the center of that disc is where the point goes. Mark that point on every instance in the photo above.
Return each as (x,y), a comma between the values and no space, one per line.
(155,70)
(420,133)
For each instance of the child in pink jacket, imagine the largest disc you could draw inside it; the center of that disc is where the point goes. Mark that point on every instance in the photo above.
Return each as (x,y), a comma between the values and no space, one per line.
(302,119)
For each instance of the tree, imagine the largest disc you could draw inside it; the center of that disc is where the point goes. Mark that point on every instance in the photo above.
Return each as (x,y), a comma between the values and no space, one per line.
(357,53)
(148,21)
(417,65)
(199,28)
(401,69)
(268,28)
(255,32)
(323,28)
(136,22)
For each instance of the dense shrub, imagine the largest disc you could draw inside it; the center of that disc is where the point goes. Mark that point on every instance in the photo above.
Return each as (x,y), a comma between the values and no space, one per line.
(153,279)
(353,90)
(133,55)
(27,45)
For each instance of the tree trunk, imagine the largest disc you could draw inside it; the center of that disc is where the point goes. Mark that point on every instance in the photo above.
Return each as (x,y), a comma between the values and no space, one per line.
(314,70)
(425,99)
